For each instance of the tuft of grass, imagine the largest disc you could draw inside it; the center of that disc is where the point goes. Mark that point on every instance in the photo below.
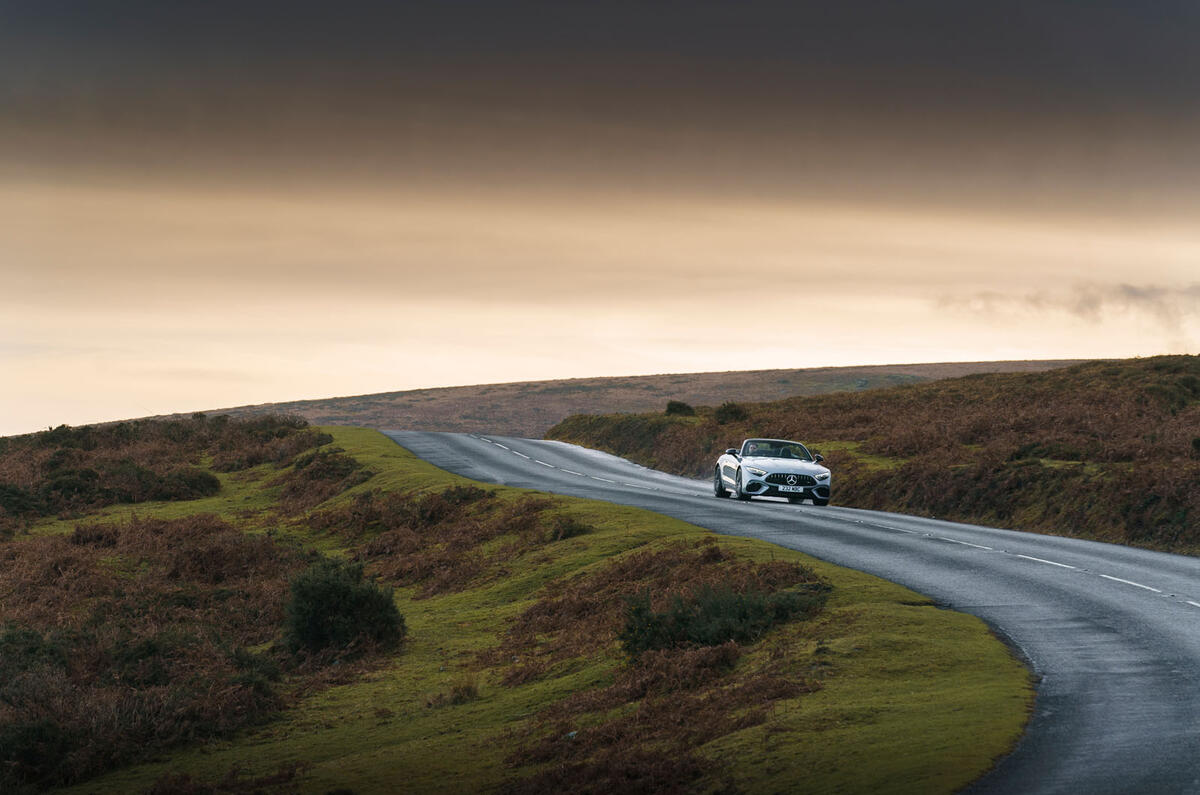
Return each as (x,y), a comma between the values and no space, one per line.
(464,690)
(710,617)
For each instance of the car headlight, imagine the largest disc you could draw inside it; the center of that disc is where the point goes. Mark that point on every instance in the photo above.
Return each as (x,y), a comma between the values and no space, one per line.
(758,473)
(823,476)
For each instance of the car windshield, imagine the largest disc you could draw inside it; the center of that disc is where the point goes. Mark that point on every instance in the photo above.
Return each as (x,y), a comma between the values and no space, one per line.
(776,448)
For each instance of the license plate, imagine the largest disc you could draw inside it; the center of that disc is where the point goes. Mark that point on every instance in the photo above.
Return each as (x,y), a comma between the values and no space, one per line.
(790,488)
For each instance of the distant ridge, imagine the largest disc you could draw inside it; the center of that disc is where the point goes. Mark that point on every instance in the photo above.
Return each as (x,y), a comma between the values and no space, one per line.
(530,408)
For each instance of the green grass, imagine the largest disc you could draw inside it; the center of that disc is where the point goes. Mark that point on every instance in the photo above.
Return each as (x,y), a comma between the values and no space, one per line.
(854,451)
(242,496)
(914,699)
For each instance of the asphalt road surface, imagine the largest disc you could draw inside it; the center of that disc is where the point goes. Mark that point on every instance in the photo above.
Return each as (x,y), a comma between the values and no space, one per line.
(1113,632)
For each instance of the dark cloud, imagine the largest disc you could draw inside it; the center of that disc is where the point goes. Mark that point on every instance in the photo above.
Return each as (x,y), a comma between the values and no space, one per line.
(927,100)
(945,55)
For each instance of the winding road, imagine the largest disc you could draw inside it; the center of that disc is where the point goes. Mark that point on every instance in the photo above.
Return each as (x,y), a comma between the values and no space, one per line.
(1112,632)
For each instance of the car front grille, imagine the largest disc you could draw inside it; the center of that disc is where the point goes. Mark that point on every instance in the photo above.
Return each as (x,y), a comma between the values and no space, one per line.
(782,479)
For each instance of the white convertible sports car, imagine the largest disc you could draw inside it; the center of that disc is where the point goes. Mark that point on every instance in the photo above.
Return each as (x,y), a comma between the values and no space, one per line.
(772,468)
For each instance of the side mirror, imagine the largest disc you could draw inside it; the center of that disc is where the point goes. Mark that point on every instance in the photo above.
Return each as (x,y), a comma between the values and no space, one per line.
(818,458)
(731,451)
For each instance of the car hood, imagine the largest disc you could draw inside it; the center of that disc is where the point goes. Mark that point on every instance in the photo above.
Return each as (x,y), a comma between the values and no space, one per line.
(784,465)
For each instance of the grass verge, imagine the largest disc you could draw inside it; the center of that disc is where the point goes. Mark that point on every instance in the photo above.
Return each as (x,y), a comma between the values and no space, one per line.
(881,690)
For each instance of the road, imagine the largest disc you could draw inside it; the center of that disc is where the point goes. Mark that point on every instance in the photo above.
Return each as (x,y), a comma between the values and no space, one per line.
(1112,632)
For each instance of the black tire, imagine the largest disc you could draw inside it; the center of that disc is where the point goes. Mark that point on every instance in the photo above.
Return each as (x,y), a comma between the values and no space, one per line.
(738,489)
(795,499)
(820,502)
(719,489)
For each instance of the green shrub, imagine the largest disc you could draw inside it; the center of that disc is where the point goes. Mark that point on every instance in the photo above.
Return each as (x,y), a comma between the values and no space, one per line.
(730,412)
(17,501)
(187,484)
(567,527)
(711,617)
(31,753)
(22,649)
(333,608)
(327,465)
(677,408)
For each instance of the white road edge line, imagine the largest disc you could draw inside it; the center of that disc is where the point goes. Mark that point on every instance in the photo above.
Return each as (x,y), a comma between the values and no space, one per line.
(1063,565)
(1130,582)
(543,463)
(514,452)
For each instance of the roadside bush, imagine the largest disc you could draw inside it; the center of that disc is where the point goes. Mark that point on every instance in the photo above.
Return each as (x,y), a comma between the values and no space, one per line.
(187,484)
(677,408)
(319,476)
(332,608)
(567,527)
(326,465)
(710,617)
(730,412)
(32,753)
(16,501)
(22,649)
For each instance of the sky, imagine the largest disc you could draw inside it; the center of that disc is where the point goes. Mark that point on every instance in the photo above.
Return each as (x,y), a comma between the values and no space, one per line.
(225,203)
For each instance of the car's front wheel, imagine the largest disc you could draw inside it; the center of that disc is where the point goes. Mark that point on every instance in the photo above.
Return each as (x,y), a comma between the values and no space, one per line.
(740,494)
(718,484)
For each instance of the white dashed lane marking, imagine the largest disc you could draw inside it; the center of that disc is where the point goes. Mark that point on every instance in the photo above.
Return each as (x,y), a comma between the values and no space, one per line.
(573,472)
(1130,582)
(965,543)
(1049,562)
(543,463)
(514,452)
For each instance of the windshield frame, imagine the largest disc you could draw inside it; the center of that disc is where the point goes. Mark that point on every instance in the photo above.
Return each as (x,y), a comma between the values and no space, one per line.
(775,445)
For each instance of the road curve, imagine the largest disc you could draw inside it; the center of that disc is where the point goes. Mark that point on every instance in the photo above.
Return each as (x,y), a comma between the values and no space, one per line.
(1113,632)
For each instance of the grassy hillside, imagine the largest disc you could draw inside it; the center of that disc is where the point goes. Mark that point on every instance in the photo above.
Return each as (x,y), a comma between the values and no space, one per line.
(153,646)
(530,408)
(1105,450)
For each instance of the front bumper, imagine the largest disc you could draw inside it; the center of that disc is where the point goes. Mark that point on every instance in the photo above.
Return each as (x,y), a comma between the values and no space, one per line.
(758,487)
